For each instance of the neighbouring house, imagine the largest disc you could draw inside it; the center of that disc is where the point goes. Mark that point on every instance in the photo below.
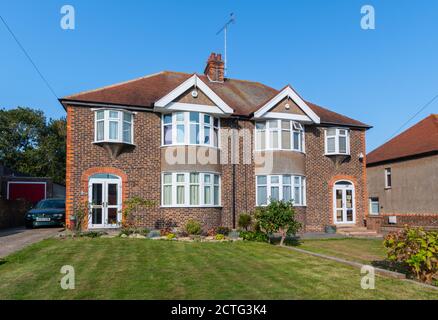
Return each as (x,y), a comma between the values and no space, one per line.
(18,192)
(403,179)
(19,186)
(207,147)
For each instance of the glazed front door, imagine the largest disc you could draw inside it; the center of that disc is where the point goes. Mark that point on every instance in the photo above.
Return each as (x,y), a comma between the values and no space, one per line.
(344,203)
(105,203)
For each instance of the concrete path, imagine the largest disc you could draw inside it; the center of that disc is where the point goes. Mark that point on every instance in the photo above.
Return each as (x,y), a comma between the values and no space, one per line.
(14,239)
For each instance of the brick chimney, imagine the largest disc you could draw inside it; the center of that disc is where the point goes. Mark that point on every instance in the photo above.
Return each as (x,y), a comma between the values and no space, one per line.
(214,69)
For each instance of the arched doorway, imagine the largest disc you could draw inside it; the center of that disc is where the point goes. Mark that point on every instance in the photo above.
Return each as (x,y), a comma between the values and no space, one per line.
(105,199)
(344,202)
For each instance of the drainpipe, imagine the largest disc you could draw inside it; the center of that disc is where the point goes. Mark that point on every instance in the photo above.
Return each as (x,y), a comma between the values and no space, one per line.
(234,195)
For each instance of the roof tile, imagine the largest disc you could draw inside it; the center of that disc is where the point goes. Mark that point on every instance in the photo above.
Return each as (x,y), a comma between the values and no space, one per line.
(419,139)
(244,97)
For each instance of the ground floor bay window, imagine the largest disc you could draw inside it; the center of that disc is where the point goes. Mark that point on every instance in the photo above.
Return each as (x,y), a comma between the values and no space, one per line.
(281,187)
(190,189)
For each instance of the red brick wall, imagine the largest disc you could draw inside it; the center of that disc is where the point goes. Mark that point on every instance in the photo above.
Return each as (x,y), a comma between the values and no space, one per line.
(140,170)
(381,223)
(323,171)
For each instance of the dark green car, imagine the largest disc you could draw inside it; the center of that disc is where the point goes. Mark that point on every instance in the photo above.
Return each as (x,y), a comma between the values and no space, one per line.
(47,213)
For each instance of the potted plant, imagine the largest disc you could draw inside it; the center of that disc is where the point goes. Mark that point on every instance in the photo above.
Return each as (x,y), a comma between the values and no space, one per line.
(330,229)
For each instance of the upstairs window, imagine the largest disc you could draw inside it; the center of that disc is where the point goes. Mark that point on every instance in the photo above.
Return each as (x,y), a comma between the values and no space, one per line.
(337,141)
(388,178)
(113,126)
(279,135)
(190,128)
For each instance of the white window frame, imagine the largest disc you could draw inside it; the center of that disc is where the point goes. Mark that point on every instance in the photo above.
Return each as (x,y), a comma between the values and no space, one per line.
(337,136)
(187,184)
(388,172)
(187,128)
(281,185)
(373,200)
(106,125)
(293,127)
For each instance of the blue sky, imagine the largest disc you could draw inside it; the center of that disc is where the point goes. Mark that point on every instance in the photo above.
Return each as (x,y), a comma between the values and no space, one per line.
(380,76)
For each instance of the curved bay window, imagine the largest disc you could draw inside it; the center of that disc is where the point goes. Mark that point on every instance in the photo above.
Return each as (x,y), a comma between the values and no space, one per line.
(190,128)
(114,126)
(190,189)
(279,135)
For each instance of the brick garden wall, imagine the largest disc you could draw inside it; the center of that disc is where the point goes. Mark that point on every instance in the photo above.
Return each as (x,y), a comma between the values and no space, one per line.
(381,223)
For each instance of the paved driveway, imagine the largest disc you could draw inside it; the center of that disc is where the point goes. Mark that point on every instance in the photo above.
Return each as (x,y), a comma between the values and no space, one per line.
(14,239)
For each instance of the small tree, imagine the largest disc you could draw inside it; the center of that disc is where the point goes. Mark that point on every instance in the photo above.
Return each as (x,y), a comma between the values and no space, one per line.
(278,216)
(245,221)
(79,216)
(133,206)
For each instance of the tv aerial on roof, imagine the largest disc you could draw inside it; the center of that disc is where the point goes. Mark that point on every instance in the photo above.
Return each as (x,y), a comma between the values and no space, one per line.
(225,29)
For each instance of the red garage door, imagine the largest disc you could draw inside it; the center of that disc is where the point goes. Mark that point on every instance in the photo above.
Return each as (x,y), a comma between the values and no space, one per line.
(30,191)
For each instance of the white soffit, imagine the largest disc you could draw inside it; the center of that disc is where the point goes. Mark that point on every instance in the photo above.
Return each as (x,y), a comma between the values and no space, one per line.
(166,102)
(263,112)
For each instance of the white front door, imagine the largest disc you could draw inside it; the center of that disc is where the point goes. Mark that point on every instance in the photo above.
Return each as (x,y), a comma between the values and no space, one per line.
(344,212)
(105,203)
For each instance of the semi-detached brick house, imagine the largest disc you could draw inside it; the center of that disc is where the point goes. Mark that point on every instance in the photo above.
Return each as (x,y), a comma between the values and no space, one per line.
(209,148)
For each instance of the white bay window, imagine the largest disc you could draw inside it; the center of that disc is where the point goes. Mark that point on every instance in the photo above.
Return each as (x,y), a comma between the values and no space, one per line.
(193,189)
(113,126)
(190,128)
(280,187)
(279,135)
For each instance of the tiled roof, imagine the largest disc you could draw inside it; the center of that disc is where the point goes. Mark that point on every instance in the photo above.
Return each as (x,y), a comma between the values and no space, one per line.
(244,97)
(421,138)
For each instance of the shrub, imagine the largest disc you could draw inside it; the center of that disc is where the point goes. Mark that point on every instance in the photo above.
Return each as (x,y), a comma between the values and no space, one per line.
(170,236)
(417,249)
(182,233)
(92,234)
(193,227)
(79,216)
(219,237)
(278,216)
(245,221)
(211,232)
(254,236)
(165,231)
(132,207)
(223,230)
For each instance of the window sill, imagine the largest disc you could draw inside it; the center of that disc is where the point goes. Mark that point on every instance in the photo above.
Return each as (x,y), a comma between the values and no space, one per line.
(388,188)
(114,142)
(290,150)
(295,206)
(189,145)
(190,206)
(336,154)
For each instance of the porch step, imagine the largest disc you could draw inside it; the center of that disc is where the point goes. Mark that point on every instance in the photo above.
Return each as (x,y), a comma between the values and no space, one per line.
(356,231)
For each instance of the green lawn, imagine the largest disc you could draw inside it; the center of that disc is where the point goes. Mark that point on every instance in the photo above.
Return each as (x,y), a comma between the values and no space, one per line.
(360,250)
(148,269)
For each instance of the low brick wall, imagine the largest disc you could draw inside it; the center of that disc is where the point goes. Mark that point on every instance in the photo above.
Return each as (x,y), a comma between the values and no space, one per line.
(381,223)
(12,213)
